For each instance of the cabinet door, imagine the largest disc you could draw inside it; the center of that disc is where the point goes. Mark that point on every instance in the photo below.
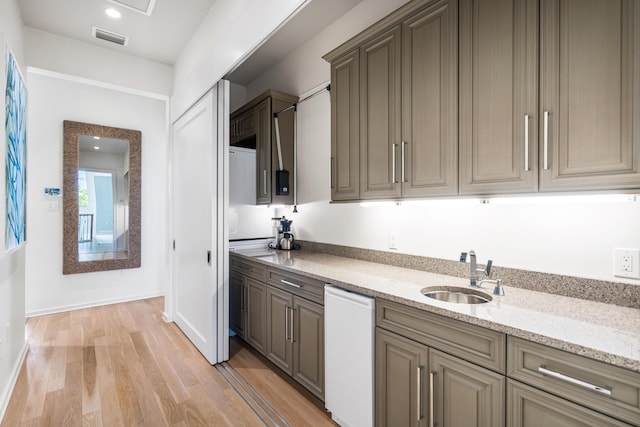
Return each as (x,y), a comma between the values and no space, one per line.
(401,391)
(263,152)
(530,407)
(246,124)
(308,348)
(380,116)
(345,127)
(464,394)
(237,314)
(429,147)
(279,324)
(590,94)
(498,96)
(256,330)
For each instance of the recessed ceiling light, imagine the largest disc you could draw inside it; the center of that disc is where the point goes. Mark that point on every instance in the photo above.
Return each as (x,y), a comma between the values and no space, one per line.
(96,137)
(96,148)
(113,13)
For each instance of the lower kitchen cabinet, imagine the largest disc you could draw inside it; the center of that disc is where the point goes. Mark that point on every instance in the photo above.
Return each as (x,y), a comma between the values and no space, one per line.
(256,314)
(419,386)
(464,394)
(279,346)
(237,293)
(400,391)
(530,407)
(308,345)
(295,338)
(247,310)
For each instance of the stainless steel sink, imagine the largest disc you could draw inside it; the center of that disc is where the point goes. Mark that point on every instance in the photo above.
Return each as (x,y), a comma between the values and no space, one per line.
(456,295)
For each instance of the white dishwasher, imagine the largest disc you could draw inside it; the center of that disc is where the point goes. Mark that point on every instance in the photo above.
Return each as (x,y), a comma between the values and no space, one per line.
(349,323)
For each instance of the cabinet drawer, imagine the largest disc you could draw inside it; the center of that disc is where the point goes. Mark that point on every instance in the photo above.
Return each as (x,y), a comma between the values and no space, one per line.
(530,407)
(477,345)
(305,287)
(555,371)
(249,268)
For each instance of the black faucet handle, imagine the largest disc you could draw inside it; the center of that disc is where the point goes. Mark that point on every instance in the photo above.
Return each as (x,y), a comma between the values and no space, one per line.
(488,268)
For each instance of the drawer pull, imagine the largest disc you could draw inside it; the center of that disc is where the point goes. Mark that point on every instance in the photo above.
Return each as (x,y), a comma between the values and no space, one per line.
(604,390)
(419,393)
(432,398)
(288,283)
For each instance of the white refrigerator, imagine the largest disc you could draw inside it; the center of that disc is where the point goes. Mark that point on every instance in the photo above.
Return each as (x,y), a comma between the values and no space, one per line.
(246,220)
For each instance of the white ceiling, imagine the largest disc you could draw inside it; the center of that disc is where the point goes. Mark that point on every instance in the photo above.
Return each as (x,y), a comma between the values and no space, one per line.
(162,36)
(159,37)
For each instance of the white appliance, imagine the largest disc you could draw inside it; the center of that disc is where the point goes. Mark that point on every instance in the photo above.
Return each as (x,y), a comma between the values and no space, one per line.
(349,322)
(246,220)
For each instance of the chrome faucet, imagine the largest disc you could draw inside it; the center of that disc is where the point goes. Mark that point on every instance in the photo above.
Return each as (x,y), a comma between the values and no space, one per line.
(476,273)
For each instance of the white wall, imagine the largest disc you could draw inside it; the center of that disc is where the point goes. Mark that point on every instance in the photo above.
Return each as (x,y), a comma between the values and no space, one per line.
(53,100)
(573,239)
(12,267)
(77,58)
(231,30)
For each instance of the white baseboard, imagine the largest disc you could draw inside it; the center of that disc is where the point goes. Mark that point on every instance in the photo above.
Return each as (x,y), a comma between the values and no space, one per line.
(4,401)
(90,304)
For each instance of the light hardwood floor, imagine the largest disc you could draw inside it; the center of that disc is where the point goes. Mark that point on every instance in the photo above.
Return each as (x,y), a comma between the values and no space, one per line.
(121,365)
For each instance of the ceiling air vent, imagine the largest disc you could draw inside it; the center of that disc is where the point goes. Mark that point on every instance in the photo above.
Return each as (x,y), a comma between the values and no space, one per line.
(142,6)
(101,34)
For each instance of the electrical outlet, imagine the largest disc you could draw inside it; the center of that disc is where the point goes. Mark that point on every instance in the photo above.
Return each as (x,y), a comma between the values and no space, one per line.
(393,241)
(626,263)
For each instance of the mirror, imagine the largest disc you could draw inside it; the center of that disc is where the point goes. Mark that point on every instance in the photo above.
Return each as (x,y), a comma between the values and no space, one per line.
(101,198)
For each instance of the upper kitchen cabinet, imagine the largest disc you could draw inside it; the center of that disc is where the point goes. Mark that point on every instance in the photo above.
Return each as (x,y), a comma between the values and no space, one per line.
(252,126)
(498,96)
(429,146)
(243,127)
(394,106)
(345,127)
(380,115)
(590,95)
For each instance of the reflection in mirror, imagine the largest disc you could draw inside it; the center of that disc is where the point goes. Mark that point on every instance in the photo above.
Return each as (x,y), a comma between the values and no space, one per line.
(101,198)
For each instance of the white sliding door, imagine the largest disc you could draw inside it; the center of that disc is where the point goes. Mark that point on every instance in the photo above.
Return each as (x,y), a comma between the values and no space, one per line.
(199,297)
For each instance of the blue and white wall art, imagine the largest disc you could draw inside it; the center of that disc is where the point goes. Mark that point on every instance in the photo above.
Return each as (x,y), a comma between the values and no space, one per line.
(16,159)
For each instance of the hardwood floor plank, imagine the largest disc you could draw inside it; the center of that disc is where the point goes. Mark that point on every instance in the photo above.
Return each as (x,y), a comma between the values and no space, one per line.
(90,395)
(104,371)
(57,370)
(37,373)
(110,407)
(150,405)
(92,419)
(155,378)
(126,393)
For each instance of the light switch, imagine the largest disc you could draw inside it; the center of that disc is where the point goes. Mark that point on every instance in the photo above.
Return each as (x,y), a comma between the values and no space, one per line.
(53,205)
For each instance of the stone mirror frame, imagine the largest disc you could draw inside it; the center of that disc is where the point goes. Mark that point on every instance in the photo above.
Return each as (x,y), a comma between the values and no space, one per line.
(116,260)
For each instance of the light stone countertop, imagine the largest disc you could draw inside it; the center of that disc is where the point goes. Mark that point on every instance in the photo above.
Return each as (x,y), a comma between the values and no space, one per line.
(604,332)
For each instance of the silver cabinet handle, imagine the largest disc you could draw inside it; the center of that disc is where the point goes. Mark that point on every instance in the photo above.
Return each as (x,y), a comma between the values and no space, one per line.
(419,393)
(293,324)
(604,390)
(402,170)
(286,323)
(393,163)
(264,181)
(288,283)
(333,172)
(432,398)
(546,140)
(526,143)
